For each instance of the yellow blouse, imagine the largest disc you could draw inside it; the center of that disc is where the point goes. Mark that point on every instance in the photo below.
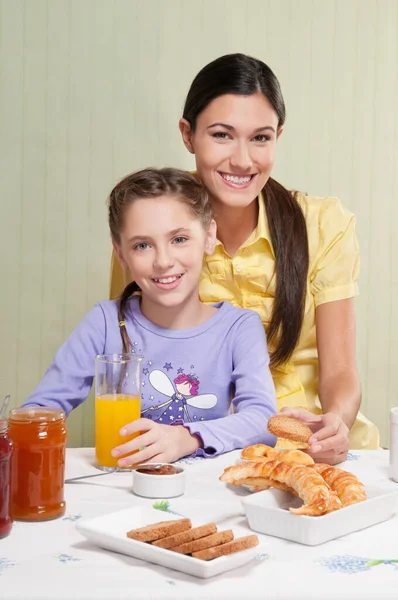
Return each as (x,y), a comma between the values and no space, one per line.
(248,280)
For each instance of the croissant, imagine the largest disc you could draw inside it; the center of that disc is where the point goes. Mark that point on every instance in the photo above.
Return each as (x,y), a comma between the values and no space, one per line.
(306,483)
(348,487)
(294,457)
(258,484)
(263,453)
(259,453)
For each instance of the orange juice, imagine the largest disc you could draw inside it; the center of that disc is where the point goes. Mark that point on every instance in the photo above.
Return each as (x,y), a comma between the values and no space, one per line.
(112,412)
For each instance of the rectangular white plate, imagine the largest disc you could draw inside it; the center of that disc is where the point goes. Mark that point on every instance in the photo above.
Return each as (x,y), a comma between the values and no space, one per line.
(268,512)
(109,531)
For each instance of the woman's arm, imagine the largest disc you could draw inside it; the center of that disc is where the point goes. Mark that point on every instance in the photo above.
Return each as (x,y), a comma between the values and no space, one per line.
(339,386)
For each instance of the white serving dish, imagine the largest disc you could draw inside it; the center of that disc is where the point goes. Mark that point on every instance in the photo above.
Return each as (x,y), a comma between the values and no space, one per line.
(109,532)
(159,486)
(268,512)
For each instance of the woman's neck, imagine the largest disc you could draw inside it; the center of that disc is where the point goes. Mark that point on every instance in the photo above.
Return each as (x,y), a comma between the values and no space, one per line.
(235,225)
(187,315)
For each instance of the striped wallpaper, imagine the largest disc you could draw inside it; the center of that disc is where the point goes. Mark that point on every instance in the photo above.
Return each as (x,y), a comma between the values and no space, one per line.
(93,89)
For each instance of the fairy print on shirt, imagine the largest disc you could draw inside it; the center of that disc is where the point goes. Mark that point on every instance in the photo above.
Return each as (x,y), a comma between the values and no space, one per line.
(182,393)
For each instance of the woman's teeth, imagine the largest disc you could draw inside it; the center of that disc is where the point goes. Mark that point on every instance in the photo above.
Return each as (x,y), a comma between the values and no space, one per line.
(236,179)
(167,279)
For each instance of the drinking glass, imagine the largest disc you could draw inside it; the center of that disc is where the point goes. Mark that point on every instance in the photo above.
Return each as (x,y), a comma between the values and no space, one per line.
(117,403)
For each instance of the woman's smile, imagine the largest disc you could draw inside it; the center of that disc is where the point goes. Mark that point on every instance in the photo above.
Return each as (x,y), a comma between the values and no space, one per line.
(240,182)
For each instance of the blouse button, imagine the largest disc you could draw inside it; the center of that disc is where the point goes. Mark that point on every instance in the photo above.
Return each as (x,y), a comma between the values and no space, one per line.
(238,268)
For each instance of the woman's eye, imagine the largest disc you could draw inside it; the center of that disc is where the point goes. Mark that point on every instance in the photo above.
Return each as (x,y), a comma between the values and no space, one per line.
(141,246)
(180,240)
(262,138)
(220,135)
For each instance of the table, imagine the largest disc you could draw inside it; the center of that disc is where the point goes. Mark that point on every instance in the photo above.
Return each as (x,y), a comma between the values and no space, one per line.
(53,560)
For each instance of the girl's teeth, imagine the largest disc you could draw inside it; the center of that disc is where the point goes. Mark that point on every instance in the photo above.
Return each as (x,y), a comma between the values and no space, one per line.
(168,279)
(235,179)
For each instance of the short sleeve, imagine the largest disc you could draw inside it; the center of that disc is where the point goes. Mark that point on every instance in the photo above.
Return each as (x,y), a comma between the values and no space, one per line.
(335,272)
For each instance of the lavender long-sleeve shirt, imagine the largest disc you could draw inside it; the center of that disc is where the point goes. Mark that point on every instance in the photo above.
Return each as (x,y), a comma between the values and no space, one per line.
(231,393)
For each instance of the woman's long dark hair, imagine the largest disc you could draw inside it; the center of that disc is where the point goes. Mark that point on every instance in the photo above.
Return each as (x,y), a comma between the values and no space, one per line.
(244,75)
(152,183)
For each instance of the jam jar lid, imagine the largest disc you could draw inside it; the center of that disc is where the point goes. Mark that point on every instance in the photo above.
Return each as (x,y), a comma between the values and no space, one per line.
(37,414)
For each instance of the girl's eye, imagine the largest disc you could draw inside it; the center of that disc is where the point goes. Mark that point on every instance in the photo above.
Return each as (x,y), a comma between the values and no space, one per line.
(180,240)
(141,246)
(262,138)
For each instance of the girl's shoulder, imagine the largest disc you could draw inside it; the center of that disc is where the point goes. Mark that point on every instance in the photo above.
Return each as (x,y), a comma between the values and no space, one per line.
(108,308)
(234,317)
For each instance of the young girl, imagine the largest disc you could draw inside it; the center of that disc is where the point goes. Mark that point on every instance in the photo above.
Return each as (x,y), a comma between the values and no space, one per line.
(292,258)
(161,226)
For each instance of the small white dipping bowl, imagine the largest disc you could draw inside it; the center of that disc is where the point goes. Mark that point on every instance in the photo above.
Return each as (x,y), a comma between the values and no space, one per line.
(150,484)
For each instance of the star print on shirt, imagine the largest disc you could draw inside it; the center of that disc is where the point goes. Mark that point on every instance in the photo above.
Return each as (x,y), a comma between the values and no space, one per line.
(167,366)
(192,366)
(180,370)
(171,418)
(145,371)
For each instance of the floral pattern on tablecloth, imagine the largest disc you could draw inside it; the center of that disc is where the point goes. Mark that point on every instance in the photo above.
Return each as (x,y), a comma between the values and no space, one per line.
(164,506)
(5,564)
(66,558)
(346,563)
(352,456)
(189,460)
(262,556)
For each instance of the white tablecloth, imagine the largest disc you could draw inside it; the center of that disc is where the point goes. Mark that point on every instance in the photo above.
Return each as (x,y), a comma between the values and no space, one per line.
(52,560)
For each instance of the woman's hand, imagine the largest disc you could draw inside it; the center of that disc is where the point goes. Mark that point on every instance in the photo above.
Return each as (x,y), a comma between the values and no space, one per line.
(158,443)
(329,442)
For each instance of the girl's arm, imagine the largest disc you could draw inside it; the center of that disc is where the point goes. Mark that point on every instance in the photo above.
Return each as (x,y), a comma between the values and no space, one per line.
(254,398)
(68,380)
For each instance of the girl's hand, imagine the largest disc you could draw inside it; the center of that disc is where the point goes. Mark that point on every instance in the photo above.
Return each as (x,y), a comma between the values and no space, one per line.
(329,442)
(158,443)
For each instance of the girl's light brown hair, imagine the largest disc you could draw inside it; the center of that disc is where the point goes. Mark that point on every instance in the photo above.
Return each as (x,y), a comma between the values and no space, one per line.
(152,183)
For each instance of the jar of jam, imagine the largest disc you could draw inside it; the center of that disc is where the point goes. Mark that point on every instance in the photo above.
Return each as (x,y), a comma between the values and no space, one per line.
(5,464)
(38,463)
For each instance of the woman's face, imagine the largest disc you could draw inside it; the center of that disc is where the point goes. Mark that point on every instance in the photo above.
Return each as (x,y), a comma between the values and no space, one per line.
(234,145)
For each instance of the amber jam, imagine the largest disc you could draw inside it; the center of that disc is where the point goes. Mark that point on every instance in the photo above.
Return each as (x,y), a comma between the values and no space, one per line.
(5,464)
(38,463)
(160,470)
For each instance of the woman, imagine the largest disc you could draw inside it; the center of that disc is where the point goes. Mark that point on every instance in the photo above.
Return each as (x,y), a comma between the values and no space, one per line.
(292,258)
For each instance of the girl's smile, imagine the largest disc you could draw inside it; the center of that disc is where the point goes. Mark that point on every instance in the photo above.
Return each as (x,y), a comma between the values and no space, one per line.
(162,245)
(168,282)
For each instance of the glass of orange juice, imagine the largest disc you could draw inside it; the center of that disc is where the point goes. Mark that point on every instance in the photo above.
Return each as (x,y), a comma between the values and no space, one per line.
(117,403)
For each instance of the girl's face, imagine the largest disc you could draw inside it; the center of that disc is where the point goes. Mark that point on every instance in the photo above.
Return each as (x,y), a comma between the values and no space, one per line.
(234,145)
(162,245)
